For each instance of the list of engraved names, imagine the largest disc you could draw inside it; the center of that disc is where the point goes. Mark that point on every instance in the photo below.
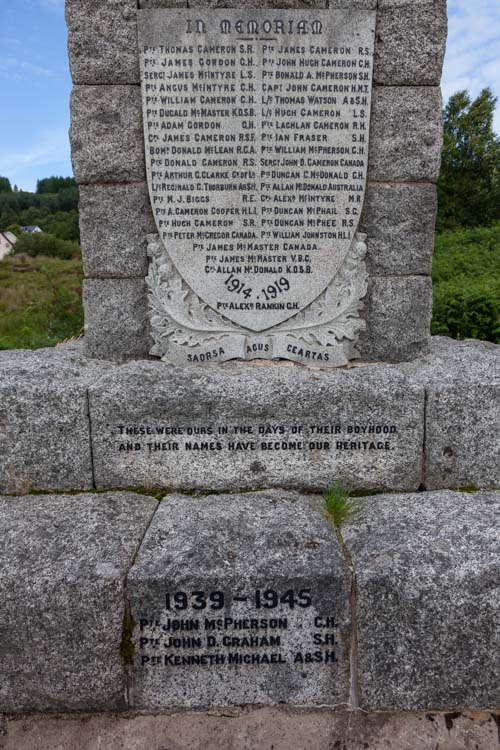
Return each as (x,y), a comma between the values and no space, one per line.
(257,148)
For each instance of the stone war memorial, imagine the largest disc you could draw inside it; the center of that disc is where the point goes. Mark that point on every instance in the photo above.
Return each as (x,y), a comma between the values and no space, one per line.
(257,187)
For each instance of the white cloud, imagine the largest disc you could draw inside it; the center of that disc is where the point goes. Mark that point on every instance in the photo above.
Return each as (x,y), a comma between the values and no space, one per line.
(473,51)
(14,68)
(56,6)
(51,146)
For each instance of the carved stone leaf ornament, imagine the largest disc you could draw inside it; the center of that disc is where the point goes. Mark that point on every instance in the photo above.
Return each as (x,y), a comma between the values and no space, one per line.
(256,154)
(179,316)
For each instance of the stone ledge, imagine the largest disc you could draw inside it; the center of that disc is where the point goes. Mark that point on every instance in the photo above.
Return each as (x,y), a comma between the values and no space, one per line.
(272,406)
(259,729)
(462,383)
(64,559)
(426,601)
(427,575)
(44,422)
(46,430)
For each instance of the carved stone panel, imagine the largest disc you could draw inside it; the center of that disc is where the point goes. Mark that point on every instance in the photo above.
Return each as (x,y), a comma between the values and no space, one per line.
(256,134)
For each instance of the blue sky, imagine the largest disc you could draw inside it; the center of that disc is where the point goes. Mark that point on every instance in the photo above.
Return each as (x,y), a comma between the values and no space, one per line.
(35,82)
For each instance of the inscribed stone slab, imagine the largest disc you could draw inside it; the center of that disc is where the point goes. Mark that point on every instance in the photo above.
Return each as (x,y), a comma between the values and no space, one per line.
(256,161)
(240,599)
(64,559)
(244,426)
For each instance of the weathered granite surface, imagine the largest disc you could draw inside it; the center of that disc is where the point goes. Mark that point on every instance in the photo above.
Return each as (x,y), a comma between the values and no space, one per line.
(114,222)
(116,318)
(107,141)
(289,4)
(276,727)
(240,546)
(102,41)
(63,560)
(411,41)
(398,317)
(428,600)
(462,382)
(405,134)
(44,422)
(233,426)
(399,223)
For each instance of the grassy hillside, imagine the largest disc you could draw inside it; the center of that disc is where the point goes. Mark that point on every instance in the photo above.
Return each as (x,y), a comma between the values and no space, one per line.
(40,298)
(40,301)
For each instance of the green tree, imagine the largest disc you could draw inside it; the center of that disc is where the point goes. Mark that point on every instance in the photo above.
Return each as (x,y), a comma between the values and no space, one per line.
(469,182)
(46,245)
(5,186)
(55,184)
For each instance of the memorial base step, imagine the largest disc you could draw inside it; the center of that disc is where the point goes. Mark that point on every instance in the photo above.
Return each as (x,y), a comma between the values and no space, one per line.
(113,602)
(71,423)
(275,728)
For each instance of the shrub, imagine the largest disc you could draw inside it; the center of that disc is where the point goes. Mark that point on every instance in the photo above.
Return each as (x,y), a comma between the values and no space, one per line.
(47,245)
(466,281)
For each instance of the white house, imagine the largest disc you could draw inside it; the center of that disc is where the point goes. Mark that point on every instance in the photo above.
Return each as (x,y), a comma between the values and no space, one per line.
(7,242)
(32,229)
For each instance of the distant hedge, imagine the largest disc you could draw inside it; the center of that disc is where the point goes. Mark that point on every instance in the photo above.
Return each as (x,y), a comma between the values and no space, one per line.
(466,284)
(47,245)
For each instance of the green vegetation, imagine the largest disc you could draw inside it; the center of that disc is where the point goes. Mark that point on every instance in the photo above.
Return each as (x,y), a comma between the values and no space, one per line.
(469,182)
(466,284)
(54,207)
(127,644)
(339,505)
(47,245)
(40,301)
(5,186)
(40,285)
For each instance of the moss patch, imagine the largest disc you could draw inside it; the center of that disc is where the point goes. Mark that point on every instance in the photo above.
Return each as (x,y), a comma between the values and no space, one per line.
(127,644)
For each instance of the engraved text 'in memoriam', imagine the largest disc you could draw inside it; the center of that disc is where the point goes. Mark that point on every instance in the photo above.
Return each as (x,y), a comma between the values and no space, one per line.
(256,127)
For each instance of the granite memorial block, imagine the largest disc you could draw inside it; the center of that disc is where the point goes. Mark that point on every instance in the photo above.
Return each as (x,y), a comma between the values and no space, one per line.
(257,184)
(247,426)
(44,420)
(462,384)
(258,159)
(428,600)
(240,599)
(64,559)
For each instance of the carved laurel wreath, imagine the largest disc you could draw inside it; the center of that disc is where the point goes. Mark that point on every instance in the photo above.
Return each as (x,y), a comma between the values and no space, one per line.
(178,315)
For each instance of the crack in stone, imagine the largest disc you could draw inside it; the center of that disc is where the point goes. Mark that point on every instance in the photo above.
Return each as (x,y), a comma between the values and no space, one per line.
(127,606)
(424,442)
(91,442)
(353,653)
